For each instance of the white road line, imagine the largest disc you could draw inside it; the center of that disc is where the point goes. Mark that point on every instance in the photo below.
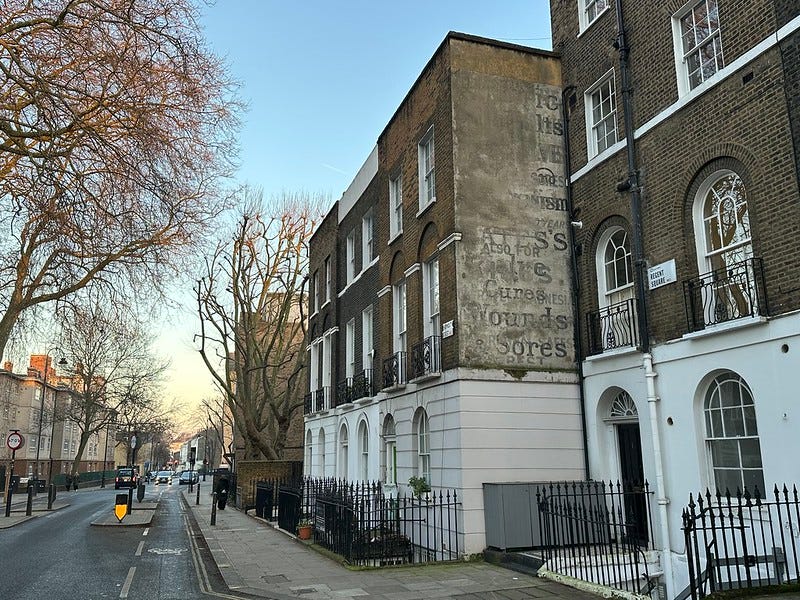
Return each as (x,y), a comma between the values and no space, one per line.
(146,531)
(139,549)
(127,585)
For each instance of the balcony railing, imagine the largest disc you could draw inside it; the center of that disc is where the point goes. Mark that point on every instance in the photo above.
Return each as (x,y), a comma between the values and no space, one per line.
(362,385)
(308,403)
(734,292)
(394,370)
(322,399)
(612,327)
(344,392)
(426,357)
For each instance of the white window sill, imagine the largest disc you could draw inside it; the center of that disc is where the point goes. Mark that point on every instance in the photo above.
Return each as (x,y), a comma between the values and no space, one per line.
(616,352)
(314,314)
(422,209)
(426,377)
(394,237)
(324,304)
(357,277)
(725,327)
(395,388)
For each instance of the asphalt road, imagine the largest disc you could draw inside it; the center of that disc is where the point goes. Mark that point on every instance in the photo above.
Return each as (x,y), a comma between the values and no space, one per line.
(60,555)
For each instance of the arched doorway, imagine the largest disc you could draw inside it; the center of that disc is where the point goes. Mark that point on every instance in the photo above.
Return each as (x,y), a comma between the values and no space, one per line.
(625,419)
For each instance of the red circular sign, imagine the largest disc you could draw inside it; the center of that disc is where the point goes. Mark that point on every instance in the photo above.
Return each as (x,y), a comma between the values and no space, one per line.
(15,440)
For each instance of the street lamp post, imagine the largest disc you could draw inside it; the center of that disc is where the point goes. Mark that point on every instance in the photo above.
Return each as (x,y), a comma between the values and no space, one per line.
(105,458)
(62,363)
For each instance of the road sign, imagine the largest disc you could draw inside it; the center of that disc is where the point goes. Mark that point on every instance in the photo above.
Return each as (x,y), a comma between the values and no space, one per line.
(15,440)
(121,506)
(133,441)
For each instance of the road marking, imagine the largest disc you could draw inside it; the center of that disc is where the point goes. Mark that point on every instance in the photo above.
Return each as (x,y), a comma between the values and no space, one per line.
(146,531)
(140,548)
(126,587)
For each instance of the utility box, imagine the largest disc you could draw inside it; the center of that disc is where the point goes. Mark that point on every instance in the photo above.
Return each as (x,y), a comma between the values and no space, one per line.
(511,515)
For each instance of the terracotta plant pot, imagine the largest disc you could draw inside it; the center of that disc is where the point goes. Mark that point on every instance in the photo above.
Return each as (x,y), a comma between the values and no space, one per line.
(304,532)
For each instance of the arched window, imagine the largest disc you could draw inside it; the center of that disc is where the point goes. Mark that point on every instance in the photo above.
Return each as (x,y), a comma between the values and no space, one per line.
(422,436)
(363,447)
(321,446)
(732,435)
(614,325)
(342,466)
(727,287)
(309,468)
(389,451)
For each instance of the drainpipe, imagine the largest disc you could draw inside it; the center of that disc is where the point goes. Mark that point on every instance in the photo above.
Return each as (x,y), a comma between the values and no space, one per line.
(576,319)
(631,185)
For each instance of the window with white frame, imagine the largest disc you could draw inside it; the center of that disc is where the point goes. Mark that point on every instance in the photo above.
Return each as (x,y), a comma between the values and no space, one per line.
(367,347)
(315,283)
(328,281)
(601,115)
(321,453)
(389,451)
(314,364)
(422,443)
(350,349)
(722,232)
(343,457)
(351,256)
(363,447)
(367,239)
(734,449)
(589,10)
(430,300)
(614,267)
(698,44)
(395,207)
(399,306)
(327,361)
(309,466)
(427,170)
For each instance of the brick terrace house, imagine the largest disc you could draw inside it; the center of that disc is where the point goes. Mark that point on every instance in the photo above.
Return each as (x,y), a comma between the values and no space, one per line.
(688,255)
(441,327)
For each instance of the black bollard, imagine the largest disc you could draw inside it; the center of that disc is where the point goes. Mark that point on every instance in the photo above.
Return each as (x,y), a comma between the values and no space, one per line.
(51,496)
(9,495)
(130,500)
(29,505)
(197,501)
(214,508)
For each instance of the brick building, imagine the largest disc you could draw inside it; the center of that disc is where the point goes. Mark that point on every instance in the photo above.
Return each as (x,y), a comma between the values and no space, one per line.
(687,258)
(441,328)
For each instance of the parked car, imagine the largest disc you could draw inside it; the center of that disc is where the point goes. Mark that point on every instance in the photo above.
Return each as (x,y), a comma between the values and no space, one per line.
(188,477)
(164,477)
(126,477)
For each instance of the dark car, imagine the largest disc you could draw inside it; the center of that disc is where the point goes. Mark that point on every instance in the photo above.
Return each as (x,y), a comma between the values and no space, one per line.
(188,477)
(125,478)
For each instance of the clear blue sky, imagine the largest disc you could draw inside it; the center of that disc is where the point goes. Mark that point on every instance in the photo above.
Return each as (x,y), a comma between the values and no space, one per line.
(323,78)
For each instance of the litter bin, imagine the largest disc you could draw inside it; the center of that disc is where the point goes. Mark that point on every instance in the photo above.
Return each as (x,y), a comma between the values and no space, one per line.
(15,484)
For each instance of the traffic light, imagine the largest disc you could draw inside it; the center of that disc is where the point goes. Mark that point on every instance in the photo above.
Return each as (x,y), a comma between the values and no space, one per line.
(192,455)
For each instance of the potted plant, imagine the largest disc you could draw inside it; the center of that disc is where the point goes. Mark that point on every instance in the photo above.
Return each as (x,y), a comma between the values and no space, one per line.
(304,529)
(419,487)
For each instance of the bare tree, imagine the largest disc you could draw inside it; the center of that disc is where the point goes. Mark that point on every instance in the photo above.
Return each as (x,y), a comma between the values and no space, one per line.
(250,303)
(116,125)
(116,378)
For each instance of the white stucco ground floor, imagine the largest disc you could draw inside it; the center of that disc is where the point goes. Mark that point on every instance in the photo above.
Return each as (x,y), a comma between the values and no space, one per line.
(459,430)
(715,409)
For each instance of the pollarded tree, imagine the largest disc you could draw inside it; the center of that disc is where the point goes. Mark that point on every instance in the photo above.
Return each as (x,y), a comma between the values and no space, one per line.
(250,304)
(116,125)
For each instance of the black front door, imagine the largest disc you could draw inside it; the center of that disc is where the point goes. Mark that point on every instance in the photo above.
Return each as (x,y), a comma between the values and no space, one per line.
(630,457)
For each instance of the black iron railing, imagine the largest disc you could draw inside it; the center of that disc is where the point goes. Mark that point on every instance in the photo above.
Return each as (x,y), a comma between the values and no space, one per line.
(733,292)
(344,392)
(599,532)
(308,403)
(612,327)
(426,357)
(322,399)
(394,370)
(741,541)
(362,385)
(362,524)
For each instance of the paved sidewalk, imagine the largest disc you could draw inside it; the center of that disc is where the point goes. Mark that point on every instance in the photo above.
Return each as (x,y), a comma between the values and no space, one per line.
(257,559)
